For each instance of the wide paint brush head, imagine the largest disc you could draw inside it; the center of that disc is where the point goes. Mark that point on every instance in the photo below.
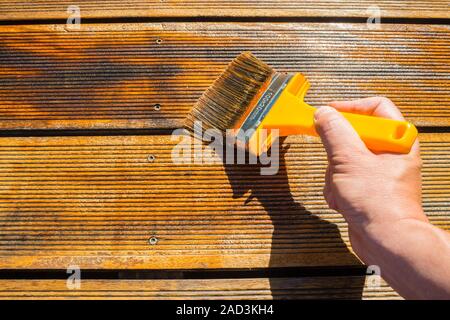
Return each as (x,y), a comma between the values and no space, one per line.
(249,103)
(223,104)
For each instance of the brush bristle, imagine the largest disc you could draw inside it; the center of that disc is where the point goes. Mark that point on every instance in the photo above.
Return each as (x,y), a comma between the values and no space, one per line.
(223,104)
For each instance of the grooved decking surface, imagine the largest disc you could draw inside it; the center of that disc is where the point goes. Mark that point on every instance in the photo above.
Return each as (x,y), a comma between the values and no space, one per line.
(96,201)
(19,9)
(278,288)
(111,76)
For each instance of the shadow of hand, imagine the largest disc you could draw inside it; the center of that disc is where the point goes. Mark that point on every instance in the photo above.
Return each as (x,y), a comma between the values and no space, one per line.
(299,237)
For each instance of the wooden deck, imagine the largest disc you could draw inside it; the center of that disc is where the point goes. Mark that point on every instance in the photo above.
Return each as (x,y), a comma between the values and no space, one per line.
(86,176)
(42,9)
(258,288)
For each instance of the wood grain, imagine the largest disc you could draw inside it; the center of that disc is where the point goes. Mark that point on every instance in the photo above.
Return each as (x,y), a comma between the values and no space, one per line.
(96,202)
(113,75)
(45,9)
(276,288)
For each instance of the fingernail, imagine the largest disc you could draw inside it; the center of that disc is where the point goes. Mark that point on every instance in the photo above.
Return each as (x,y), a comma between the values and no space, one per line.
(322,110)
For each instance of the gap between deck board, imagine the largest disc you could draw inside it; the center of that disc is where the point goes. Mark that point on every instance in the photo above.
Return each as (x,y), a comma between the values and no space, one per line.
(235,273)
(134,132)
(230,19)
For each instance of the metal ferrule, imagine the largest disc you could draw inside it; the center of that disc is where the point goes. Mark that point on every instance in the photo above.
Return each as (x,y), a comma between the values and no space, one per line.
(262,107)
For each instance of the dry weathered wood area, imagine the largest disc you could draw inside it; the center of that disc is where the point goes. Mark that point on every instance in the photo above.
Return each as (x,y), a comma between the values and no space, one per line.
(262,288)
(44,9)
(95,202)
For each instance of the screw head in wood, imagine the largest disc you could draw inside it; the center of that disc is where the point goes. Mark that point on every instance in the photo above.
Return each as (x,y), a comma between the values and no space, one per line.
(151,158)
(153,240)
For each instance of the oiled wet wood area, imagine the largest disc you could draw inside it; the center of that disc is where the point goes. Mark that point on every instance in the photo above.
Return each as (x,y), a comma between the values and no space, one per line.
(87,177)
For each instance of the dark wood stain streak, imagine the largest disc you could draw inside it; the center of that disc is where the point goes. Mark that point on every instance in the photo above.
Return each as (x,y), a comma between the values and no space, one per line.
(111,76)
(60,83)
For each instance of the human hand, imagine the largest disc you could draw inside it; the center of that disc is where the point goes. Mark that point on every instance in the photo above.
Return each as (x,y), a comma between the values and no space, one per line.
(379,195)
(365,187)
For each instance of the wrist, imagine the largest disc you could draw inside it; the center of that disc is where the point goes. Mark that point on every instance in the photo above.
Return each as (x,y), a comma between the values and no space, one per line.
(371,235)
(383,217)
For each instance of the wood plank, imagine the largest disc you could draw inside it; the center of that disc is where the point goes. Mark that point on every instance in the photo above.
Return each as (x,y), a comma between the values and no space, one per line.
(45,9)
(276,288)
(96,202)
(112,76)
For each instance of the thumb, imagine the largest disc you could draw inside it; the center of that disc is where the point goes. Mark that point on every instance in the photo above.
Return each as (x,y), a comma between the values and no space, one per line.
(337,134)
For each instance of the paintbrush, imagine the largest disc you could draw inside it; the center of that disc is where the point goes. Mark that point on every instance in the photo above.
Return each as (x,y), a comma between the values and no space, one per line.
(249,96)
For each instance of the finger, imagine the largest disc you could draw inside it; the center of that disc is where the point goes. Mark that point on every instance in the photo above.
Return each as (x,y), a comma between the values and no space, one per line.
(375,106)
(327,187)
(337,134)
(415,149)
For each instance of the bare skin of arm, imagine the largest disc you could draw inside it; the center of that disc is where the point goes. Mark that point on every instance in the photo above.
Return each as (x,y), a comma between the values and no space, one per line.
(379,196)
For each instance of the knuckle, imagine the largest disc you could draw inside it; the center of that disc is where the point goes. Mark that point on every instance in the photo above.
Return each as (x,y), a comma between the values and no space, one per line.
(333,119)
(329,123)
(414,162)
(385,100)
(417,164)
(325,193)
(325,113)
(349,158)
(341,158)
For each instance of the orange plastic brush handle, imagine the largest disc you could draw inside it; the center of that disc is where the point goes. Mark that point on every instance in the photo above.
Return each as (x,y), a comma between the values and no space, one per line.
(291,115)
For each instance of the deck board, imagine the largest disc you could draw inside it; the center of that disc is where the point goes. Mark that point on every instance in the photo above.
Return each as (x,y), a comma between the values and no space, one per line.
(353,287)
(45,9)
(96,201)
(113,75)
